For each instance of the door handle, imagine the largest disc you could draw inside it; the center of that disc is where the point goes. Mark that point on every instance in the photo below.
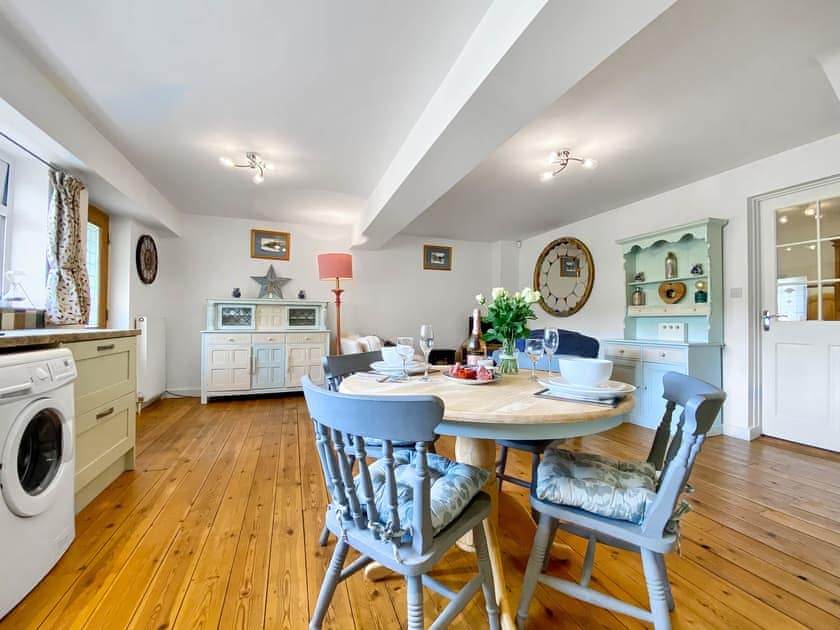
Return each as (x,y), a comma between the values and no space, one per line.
(767,317)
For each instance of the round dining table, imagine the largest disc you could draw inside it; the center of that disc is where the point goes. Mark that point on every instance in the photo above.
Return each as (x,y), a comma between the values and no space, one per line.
(479,414)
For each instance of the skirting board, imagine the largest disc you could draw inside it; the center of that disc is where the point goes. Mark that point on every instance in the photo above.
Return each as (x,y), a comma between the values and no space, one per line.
(191,392)
(742,433)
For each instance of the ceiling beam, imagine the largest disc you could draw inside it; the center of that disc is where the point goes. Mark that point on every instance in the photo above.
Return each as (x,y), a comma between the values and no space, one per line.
(521,58)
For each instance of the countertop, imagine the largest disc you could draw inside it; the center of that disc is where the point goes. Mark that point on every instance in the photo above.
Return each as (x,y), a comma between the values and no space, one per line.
(54,336)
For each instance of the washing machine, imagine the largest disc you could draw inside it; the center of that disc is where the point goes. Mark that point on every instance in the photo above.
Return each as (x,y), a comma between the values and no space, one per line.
(36,468)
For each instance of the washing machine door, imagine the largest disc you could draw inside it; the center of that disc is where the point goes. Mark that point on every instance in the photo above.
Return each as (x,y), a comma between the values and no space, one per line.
(36,455)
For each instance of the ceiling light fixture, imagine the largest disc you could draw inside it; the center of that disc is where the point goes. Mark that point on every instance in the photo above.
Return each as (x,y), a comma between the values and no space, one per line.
(559,160)
(254,162)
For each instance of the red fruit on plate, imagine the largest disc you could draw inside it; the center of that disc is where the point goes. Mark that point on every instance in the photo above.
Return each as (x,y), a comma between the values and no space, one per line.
(483,374)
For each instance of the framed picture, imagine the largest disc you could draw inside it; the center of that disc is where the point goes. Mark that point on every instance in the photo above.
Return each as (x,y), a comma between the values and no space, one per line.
(270,245)
(569,267)
(438,257)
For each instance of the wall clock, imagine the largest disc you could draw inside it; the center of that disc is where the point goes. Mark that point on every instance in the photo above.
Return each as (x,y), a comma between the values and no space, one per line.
(146,258)
(563,275)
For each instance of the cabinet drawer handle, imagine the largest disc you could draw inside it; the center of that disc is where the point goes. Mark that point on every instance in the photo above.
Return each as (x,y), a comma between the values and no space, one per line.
(663,355)
(231,339)
(103,414)
(103,348)
(621,351)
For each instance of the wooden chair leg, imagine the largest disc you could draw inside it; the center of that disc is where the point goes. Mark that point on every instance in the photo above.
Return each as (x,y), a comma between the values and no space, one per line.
(588,561)
(415,602)
(500,465)
(486,572)
(535,465)
(660,560)
(551,538)
(542,540)
(331,579)
(657,589)
(324,537)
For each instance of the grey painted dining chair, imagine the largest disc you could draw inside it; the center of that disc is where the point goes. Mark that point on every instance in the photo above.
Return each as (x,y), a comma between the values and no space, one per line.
(337,367)
(391,512)
(652,529)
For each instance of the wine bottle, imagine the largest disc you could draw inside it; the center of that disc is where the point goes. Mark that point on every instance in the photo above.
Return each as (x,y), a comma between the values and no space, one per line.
(476,348)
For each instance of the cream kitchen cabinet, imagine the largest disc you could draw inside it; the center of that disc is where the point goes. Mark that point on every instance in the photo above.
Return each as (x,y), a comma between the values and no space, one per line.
(106,407)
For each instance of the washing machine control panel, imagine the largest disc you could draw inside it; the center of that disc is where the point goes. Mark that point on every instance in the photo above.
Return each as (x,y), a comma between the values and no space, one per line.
(62,369)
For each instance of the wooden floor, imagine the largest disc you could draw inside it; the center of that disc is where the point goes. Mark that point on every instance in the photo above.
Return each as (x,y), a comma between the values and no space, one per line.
(217,528)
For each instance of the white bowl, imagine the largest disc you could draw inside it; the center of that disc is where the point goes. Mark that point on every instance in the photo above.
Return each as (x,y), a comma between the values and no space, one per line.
(589,372)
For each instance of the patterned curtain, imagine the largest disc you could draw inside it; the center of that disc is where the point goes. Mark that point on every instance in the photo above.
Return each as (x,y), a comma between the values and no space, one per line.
(68,291)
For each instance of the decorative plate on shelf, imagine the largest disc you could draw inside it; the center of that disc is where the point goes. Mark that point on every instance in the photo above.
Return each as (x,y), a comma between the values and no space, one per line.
(146,258)
(563,275)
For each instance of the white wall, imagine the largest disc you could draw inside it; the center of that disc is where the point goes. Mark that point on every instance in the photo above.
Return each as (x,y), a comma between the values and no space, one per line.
(723,196)
(390,293)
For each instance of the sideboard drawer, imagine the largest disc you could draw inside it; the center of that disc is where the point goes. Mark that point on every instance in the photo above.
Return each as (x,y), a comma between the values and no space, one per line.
(223,339)
(620,350)
(666,355)
(102,435)
(268,338)
(313,337)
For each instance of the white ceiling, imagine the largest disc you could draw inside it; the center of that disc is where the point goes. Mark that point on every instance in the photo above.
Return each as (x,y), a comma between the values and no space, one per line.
(326,90)
(329,91)
(705,87)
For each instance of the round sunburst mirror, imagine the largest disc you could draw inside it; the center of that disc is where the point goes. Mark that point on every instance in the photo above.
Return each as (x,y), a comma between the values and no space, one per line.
(564,275)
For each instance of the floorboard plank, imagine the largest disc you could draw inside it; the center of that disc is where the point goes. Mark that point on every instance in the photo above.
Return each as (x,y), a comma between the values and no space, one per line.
(218,527)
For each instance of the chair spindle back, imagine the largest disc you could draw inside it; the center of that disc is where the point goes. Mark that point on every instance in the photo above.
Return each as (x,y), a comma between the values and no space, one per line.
(339,366)
(701,403)
(341,417)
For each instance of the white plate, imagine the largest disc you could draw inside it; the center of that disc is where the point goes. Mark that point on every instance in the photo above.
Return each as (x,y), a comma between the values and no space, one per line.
(610,389)
(413,367)
(471,381)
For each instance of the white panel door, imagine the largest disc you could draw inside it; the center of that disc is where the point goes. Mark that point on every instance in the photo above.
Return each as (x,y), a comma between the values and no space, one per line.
(228,368)
(269,366)
(304,359)
(800,296)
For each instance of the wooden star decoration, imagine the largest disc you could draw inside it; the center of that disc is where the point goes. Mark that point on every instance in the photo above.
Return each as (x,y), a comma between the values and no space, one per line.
(271,285)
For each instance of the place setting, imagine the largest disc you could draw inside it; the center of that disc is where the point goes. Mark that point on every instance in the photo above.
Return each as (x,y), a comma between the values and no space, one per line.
(584,380)
(399,362)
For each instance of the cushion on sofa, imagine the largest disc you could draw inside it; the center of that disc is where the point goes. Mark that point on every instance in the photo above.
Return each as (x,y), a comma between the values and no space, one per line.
(597,484)
(453,486)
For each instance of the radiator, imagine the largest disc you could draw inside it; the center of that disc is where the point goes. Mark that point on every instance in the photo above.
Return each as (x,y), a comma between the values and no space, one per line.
(151,358)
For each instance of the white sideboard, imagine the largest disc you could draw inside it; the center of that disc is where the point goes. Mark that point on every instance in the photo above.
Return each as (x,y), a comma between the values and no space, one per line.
(644,363)
(264,353)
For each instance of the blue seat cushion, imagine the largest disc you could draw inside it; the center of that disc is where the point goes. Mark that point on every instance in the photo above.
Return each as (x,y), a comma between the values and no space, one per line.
(597,484)
(453,486)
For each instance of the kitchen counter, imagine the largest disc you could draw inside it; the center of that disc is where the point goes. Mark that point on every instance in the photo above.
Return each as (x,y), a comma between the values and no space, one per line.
(39,337)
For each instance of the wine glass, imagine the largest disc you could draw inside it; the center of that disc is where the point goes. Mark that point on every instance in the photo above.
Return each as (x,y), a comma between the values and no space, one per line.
(551,339)
(534,350)
(427,342)
(405,348)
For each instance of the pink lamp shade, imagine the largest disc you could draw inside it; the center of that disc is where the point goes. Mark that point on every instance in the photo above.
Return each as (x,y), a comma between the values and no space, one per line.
(332,266)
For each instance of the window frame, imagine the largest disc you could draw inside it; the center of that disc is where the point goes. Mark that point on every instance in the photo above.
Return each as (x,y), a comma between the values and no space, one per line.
(6,213)
(102,220)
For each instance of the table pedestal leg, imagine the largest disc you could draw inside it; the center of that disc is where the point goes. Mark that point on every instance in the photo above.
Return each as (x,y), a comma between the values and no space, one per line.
(482,454)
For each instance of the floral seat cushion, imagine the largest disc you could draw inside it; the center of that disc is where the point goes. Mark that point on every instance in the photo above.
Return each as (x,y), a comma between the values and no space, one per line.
(597,484)
(453,486)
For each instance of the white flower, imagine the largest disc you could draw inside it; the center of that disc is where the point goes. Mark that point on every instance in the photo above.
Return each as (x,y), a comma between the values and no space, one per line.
(529,295)
(480,298)
(499,292)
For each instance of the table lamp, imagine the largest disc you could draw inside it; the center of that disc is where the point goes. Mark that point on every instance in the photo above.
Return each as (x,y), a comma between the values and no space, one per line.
(336,267)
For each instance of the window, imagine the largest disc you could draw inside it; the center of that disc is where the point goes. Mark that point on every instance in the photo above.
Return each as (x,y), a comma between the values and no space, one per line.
(5,200)
(97,265)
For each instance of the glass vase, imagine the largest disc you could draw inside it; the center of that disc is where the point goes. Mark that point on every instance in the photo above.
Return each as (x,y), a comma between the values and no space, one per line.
(508,363)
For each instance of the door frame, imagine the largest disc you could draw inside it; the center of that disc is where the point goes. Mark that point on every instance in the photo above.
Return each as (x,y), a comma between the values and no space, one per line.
(754,264)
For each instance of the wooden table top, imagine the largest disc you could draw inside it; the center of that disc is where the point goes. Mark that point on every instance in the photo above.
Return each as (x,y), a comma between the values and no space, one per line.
(506,409)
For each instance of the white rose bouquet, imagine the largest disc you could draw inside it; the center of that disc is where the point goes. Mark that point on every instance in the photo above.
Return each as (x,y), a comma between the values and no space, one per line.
(508,316)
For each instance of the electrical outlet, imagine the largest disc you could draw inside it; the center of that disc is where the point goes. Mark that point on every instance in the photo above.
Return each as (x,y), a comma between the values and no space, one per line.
(671,331)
